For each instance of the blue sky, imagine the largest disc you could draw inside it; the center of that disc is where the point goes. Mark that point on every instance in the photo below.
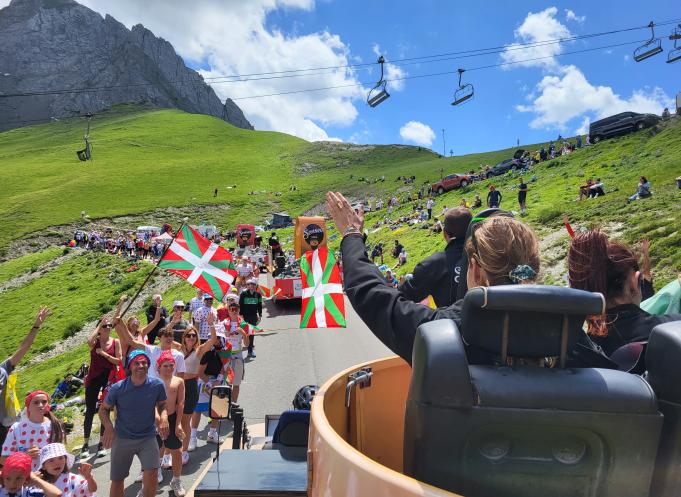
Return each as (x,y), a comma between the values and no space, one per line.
(530,102)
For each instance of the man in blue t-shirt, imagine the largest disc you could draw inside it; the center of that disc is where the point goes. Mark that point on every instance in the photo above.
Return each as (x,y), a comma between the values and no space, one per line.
(140,403)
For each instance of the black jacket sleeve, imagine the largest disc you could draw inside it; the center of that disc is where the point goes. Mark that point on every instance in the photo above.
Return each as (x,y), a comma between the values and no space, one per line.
(390,316)
(417,288)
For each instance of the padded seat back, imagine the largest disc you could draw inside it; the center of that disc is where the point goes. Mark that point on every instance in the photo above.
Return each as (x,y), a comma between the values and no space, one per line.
(664,370)
(490,430)
(293,429)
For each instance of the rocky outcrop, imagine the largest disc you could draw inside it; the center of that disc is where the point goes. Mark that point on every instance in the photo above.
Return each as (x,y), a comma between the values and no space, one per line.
(52,45)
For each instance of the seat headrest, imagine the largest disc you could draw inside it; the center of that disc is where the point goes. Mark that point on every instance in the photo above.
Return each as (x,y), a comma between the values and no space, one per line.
(292,429)
(527,320)
(662,361)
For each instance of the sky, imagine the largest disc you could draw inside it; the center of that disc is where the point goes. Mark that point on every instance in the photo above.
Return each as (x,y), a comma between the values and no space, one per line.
(529,101)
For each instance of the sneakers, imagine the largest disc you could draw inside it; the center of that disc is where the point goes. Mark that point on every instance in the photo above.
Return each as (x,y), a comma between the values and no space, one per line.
(159,478)
(251,355)
(84,452)
(185,458)
(213,437)
(101,451)
(166,462)
(192,444)
(177,488)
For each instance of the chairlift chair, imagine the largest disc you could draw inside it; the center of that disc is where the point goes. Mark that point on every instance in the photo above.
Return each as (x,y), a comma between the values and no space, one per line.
(85,154)
(649,48)
(378,93)
(675,53)
(464,93)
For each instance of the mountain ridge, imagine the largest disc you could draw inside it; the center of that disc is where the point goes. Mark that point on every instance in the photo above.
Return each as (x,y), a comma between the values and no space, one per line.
(50,45)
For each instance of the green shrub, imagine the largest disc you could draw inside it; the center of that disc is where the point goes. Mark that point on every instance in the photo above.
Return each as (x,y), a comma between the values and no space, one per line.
(71,329)
(548,214)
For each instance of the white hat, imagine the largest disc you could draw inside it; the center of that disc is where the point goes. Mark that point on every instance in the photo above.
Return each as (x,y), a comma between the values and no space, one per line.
(50,451)
(252,281)
(178,303)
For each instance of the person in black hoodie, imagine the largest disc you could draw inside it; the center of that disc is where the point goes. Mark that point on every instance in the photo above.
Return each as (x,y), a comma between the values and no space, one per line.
(597,264)
(501,251)
(438,275)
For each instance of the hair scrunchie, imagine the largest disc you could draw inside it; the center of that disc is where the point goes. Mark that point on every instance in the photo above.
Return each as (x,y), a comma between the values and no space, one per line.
(521,273)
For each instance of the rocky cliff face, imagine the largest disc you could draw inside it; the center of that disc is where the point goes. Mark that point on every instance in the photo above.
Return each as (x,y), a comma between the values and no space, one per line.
(51,45)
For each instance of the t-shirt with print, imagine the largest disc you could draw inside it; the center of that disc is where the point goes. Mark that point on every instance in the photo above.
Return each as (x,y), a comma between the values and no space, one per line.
(25,434)
(6,369)
(73,485)
(154,352)
(136,407)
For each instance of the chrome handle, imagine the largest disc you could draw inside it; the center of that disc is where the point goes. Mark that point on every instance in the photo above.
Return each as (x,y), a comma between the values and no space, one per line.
(361,378)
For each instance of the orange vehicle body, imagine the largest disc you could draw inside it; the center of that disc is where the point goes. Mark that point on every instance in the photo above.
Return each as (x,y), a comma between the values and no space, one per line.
(358,451)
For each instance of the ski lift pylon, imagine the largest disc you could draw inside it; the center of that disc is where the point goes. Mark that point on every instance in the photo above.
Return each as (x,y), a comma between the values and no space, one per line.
(675,53)
(649,48)
(378,93)
(464,92)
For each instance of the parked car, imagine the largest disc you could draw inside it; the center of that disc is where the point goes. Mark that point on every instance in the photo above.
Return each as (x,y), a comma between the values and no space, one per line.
(503,167)
(450,182)
(624,122)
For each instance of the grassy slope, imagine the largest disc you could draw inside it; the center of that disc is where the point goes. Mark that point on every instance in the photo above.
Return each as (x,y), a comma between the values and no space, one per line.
(144,160)
(153,159)
(618,162)
(27,263)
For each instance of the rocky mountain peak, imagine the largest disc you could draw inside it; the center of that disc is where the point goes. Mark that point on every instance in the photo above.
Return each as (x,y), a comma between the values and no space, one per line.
(91,63)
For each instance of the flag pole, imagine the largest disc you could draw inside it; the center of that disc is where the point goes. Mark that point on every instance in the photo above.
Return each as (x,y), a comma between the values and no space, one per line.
(146,280)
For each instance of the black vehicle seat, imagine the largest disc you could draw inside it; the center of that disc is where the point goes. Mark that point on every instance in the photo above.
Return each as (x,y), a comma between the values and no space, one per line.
(292,429)
(664,371)
(523,430)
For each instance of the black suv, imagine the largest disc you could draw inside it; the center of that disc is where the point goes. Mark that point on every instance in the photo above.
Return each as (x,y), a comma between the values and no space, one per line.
(619,124)
(507,165)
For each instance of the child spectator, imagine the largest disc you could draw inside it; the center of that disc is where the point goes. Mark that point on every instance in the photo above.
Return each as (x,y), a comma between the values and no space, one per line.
(36,430)
(56,463)
(19,481)
(172,445)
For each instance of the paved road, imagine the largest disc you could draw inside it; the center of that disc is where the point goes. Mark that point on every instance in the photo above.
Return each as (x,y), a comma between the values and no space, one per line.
(287,358)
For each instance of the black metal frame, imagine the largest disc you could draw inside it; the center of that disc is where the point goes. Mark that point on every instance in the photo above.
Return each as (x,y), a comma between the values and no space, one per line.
(383,94)
(652,47)
(464,92)
(675,53)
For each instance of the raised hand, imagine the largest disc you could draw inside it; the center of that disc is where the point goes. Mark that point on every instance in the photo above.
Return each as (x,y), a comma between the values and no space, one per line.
(41,316)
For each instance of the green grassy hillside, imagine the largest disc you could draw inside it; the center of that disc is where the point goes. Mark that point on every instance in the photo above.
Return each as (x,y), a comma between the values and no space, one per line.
(146,160)
(168,163)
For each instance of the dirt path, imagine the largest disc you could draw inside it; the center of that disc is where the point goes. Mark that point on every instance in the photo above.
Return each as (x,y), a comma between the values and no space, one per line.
(163,282)
(25,278)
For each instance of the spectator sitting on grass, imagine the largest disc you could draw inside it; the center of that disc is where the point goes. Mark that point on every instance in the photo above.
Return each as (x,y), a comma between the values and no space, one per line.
(642,191)
(596,190)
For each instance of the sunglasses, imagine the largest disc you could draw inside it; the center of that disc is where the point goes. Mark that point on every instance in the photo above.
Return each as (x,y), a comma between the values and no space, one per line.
(191,335)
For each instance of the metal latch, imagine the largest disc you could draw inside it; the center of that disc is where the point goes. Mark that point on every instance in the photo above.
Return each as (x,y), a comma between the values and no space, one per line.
(361,378)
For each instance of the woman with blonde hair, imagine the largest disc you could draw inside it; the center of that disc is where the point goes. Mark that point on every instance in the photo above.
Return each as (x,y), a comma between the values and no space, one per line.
(193,351)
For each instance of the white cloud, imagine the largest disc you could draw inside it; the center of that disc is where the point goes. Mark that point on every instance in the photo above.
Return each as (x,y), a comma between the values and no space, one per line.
(537,27)
(418,133)
(569,95)
(393,73)
(571,16)
(584,128)
(233,38)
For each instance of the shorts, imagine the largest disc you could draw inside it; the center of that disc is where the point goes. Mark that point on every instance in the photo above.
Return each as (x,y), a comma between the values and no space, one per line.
(191,395)
(123,451)
(237,365)
(172,442)
(522,196)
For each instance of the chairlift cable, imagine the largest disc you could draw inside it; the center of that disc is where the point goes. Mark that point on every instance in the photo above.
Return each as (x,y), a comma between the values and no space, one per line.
(420,76)
(285,74)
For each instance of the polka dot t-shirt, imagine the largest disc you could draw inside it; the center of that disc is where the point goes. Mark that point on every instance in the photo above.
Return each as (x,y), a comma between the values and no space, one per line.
(73,485)
(25,492)
(25,434)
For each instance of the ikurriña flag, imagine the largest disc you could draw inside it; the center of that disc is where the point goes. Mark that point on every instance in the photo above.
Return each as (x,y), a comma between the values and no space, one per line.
(323,305)
(201,262)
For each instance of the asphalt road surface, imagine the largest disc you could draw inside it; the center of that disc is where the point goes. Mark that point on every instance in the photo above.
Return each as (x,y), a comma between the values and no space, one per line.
(287,359)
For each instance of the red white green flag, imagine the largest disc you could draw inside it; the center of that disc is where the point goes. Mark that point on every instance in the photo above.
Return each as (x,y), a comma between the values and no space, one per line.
(323,304)
(201,262)
(267,293)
